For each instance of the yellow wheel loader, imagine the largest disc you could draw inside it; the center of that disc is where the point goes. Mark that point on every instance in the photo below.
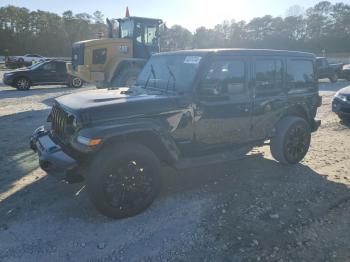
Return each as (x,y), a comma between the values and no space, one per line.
(116,62)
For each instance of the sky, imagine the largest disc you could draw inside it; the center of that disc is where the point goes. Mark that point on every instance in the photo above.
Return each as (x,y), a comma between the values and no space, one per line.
(190,14)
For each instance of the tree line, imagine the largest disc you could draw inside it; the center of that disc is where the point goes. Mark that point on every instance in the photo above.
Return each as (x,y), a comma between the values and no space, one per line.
(24,31)
(323,27)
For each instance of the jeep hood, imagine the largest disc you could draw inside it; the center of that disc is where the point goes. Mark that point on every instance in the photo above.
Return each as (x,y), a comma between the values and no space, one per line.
(104,104)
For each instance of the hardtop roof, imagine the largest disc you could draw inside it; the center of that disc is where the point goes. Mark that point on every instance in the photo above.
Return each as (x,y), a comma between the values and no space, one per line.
(240,51)
(140,18)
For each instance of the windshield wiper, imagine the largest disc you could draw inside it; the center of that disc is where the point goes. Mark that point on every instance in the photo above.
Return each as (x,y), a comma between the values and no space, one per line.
(152,73)
(171,75)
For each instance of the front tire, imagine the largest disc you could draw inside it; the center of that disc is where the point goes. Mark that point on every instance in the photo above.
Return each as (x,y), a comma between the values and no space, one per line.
(127,77)
(124,180)
(22,84)
(292,140)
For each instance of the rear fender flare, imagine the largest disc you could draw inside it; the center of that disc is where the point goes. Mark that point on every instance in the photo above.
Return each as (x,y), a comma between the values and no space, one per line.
(301,110)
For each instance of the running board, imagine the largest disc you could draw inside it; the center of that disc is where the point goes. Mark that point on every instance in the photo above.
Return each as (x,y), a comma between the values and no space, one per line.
(212,159)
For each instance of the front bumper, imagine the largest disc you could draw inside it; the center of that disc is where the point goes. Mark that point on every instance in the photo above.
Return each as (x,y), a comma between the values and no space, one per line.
(8,81)
(341,108)
(51,155)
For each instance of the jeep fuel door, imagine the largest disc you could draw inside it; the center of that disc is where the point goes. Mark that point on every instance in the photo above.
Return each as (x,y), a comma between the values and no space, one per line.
(223,114)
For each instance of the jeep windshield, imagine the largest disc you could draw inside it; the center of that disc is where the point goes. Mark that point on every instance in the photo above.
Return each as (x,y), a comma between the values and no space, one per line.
(169,72)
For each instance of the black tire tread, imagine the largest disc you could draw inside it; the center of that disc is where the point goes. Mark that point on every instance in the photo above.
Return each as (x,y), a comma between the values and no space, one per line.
(72,85)
(277,142)
(113,154)
(16,83)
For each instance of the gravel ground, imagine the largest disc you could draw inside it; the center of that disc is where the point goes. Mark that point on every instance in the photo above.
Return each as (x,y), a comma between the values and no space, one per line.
(251,210)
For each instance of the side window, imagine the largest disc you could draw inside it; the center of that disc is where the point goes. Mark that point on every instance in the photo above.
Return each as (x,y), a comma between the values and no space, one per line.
(138,32)
(99,56)
(61,67)
(224,78)
(150,35)
(269,76)
(49,67)
(301,74)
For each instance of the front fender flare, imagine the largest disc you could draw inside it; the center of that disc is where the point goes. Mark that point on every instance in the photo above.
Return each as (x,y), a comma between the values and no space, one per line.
(150,133)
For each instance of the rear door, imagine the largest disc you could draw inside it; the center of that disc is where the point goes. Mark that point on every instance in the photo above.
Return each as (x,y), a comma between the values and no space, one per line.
(269,94)
(61,72)
(322,68)
(223,113)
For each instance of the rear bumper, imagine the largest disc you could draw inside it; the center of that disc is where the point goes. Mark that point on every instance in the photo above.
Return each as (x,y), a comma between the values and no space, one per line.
(51,155)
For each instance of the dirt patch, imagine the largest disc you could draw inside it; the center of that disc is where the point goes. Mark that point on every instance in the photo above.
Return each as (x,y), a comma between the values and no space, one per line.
(252,210)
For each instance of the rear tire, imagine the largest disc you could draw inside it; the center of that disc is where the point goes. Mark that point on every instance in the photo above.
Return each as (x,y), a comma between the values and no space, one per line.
(124,180)
(127,77)
(292,140)
(22,84)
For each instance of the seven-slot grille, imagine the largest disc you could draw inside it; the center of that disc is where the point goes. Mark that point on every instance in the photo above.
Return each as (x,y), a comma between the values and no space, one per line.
(59,120)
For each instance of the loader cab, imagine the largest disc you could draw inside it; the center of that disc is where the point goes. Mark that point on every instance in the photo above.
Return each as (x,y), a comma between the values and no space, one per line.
(144,33)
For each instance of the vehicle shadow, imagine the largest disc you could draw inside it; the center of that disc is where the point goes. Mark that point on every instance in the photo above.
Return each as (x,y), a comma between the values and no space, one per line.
(6,92)
(16,159)
(257,205)
(226,184)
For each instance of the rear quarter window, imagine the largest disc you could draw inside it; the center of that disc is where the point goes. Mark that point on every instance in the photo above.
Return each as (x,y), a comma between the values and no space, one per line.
(61,67)
(301,74)
(269,76)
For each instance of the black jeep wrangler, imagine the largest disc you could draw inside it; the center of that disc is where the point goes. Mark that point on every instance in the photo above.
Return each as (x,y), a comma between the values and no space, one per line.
(187,108)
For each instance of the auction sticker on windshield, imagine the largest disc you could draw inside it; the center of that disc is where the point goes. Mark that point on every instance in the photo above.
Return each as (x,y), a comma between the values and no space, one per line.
(192,59)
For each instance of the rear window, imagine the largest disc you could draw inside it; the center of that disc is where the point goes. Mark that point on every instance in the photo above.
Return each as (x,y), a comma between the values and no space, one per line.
(99,56)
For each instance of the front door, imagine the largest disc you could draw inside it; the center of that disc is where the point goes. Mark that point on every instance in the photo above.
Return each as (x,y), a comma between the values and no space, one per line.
(223,114)
(46,73)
